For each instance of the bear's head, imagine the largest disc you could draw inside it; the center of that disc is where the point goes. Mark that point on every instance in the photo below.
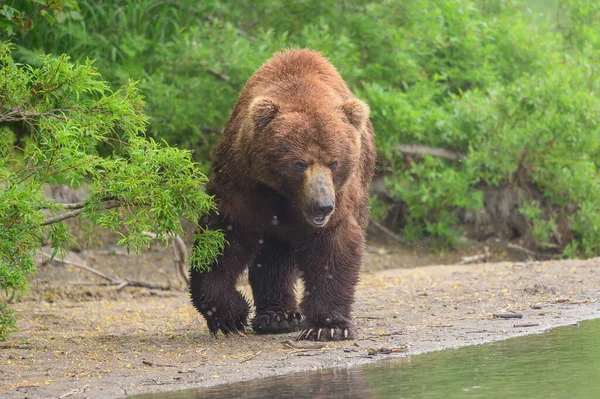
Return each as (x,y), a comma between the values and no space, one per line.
(307,156)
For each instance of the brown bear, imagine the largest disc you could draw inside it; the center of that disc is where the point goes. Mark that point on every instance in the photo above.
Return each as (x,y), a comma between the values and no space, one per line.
(290,178)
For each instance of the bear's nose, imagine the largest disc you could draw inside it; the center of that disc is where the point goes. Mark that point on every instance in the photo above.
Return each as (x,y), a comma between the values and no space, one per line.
(323,207)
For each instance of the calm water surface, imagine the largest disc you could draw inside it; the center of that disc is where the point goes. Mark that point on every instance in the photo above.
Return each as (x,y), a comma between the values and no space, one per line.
(564,363)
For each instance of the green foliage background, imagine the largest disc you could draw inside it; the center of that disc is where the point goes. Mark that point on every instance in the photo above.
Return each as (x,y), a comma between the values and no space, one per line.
(510,83)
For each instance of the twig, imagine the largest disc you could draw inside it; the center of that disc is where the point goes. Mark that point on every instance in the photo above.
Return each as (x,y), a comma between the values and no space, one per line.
(378,251)
(180,256)
(292,345)
(18,114)
(74,391)
(473,259)
(80,266)
(27,386)
(522,249)
(389,334)
(417,149)
(387,351)
(147,363)
(508,315)
(526,325)
(528,251)
(109,204)
(387,231)
(74,205)
(476,258)
(120,283)
(574,302)
(250,357)
(218,75)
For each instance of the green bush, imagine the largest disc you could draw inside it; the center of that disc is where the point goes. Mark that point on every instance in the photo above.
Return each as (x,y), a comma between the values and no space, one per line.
(69,112)
(508,83)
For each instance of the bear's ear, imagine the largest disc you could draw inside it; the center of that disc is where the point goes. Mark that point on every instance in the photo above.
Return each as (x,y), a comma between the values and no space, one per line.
(262,111)
(356,111)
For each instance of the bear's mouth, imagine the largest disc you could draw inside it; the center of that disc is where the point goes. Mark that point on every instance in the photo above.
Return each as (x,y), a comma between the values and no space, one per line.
(319,221)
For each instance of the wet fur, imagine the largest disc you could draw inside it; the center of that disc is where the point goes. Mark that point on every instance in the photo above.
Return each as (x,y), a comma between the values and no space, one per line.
(295,105)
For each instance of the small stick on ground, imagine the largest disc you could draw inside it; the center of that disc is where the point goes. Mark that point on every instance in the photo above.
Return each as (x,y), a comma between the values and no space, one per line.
(120,283)
(292,345)
(148,363)
(526,325)
(74,391)
(387,351)
(250,357)
(573,301)
(528,251)
(388,232)
(508,315)
(479,258)
(389,334)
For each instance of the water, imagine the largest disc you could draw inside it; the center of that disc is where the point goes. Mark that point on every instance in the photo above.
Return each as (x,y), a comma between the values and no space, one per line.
(564,363)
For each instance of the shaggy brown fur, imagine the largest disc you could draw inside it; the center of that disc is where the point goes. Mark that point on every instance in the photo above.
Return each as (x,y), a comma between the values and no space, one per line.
(290,178)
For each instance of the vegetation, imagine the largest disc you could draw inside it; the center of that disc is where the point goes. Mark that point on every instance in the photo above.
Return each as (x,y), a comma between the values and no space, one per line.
(55,121)
(508,86)
(498,81)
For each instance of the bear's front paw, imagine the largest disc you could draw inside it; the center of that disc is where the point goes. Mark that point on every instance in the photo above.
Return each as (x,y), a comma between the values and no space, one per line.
(229,318)
(327,334)
(227,324)
(276,322)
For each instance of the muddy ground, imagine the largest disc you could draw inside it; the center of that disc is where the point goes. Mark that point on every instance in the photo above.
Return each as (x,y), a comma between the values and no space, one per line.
(78,339)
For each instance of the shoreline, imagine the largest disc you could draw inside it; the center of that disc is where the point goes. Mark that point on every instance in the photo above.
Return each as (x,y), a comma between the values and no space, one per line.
(142,341)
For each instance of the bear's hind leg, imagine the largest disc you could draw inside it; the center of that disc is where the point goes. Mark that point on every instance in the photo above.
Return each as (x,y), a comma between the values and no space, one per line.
(273,277)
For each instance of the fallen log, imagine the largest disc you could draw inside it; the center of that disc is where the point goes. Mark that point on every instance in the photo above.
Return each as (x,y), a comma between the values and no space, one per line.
(418,149)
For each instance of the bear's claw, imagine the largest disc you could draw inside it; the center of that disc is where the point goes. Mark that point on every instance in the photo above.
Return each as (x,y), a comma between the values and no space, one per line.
(326,334)
(274,322)
(231,326)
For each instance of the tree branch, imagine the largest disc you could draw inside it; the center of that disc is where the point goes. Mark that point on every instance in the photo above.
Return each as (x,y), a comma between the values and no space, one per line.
(109,204)
(19,114)
(417,149)
(180,256)
(218,75)
(74,205)
(389,232)
(528,251)
(120,283)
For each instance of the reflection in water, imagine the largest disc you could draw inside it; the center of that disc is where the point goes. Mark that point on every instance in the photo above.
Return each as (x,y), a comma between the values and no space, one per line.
(564,363)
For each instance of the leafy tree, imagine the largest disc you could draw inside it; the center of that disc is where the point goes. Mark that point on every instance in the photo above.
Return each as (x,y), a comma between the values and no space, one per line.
(68,113)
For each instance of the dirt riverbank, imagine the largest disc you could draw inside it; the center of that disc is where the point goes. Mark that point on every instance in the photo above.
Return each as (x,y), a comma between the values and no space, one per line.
(79,340)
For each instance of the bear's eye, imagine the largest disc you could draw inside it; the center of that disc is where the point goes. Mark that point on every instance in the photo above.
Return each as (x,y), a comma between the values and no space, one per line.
(300,166)
(333,165)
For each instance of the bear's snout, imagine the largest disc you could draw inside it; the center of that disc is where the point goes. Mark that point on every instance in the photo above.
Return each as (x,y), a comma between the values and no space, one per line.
(323,207)
(319,195)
